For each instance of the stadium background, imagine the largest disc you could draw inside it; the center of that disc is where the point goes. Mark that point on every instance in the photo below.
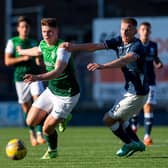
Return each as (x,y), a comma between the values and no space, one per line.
(75,19)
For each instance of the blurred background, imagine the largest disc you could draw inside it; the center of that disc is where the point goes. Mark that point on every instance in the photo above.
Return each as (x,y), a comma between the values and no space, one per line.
(85,21)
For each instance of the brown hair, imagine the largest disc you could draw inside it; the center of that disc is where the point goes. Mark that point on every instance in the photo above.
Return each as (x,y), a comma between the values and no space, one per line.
(146,24)
(51,22)
(23,19)
(130,20)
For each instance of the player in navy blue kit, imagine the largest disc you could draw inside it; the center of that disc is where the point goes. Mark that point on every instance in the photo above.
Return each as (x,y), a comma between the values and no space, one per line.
(130,59)
(151,61)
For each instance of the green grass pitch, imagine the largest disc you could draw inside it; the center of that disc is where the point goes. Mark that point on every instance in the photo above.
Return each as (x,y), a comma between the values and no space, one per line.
(87,147)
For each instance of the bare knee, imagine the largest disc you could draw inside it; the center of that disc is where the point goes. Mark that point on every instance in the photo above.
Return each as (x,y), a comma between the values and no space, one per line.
(29,122)
(35,116)
(108,120)
(48,129)
(26,106)
(50,124)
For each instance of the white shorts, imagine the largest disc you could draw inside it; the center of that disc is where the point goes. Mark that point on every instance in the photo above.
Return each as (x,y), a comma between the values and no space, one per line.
(152,95)
(128,105)
(58,106)
(25,91)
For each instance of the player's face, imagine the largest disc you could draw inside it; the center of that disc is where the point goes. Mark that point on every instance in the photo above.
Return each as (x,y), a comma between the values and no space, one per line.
(50,34)
(23,29)
(144,32)
(128,32)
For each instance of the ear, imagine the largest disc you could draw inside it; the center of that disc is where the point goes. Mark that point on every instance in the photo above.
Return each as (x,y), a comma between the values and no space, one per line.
(17,28)
(57,30)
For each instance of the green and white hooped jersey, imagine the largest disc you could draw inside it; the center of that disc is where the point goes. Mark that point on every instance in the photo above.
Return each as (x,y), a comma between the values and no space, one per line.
(66,84)
(24,67)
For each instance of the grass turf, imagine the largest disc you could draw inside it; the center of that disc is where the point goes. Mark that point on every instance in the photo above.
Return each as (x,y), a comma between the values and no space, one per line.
(87,147)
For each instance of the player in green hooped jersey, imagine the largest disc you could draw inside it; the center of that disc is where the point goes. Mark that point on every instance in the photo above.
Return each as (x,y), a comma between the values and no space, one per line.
(23,65)
(57,101)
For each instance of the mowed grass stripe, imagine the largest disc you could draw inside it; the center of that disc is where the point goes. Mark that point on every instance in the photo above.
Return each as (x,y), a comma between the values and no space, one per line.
(87,147)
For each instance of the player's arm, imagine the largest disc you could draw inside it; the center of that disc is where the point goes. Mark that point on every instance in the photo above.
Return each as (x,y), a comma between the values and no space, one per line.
(158,63)
(35,51)
(62,61)
(9,58)
(82,47)
(118,63)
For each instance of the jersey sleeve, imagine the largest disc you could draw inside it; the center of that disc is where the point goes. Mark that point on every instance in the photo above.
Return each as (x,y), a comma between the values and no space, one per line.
(63,55)
(137,50)
(112,43)
(9,47)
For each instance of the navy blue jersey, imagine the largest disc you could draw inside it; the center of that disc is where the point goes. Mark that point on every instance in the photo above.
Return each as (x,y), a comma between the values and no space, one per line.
(151,56)
(134,72)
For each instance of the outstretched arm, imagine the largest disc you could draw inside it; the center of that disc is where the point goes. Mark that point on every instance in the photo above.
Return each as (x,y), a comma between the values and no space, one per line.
(59,68)
(30,52)
(60,65)
(118,63)
(10,60)
(82,47)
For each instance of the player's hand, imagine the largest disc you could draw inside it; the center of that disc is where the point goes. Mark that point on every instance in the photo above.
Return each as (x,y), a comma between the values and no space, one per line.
(65,45)
(158,66)
(94,66)
(24,57)
(28,78)
(19,49)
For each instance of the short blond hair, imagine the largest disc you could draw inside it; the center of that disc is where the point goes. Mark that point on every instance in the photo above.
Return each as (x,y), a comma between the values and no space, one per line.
(130,20)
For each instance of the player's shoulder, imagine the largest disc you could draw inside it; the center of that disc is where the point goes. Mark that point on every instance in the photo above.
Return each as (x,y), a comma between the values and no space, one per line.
(15,38)
(42,42)
(152,43)
(137,43)
(116,40)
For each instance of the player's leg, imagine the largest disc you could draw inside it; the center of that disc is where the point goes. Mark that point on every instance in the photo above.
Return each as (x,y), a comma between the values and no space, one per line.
(134,104)
(134,123)
(148,115)
(113,120)
(36,88)
(148,122)
(139,146)
(51,136)
(62,125)
(126,107)
(24,99)
(32,132)
(118,130)
(62,106)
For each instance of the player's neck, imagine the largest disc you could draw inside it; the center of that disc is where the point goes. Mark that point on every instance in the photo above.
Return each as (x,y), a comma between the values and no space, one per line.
(144,40)
(23,37)
(51,43)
